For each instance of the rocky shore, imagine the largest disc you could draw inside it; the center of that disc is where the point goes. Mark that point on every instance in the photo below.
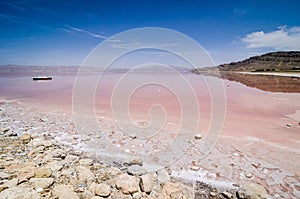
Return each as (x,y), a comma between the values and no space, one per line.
(33,164)
(284,62)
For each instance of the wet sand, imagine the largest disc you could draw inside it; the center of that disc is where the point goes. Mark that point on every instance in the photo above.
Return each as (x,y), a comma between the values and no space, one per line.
(287,74)
(260,135)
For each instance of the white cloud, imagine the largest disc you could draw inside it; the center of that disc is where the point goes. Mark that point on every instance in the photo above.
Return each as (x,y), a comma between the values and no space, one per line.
(282,39)
(74,31)
(87,32)
(143,45)
(15,6)
(67,31)
(12,18)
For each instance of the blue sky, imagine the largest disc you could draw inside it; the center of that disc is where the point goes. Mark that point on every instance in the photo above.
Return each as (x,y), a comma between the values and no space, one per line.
(63,32)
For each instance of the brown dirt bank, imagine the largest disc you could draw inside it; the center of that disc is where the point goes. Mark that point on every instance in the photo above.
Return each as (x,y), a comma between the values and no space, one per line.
(263,82)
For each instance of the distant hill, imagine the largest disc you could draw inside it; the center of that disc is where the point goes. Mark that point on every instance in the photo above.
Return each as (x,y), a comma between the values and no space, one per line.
(30,71)
(270,62)
(274,61)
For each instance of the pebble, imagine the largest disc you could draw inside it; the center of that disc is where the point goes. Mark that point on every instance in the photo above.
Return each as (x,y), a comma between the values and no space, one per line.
(213,194)
(43,183)
(39,190)
(133,161)
(132,136)
(195,168)
(127,150)
(136,170)
(127,184)
(102,190)
(148,182)
(86,162)
(236,154)
(97,197)
(177,190)
(249,175)
(11,183)
(137,195)
(252,191)
(55,166)
(58,153)
(84,174)
(43,172)
(47,143)
(163,176)
(71,159)
(4,130)
(227,194)
(85,138)
(19,192)
(3,187)
(4,175)
(198,136)
(12,134)
(25,138)
(64,192)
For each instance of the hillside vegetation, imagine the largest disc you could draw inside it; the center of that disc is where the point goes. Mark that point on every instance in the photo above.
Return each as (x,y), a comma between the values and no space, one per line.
(270,62)
(274,61)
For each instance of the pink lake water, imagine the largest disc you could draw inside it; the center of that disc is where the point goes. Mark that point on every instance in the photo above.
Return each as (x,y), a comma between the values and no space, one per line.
(247,109)
(259,124)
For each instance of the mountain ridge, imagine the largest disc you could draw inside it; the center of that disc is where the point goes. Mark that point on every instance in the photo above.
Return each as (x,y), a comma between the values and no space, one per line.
(273,61)
(282,61)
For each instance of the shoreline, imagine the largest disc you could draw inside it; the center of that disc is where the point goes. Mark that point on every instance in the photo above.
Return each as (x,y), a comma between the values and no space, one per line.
(42,142)
(54,125)
(286,74)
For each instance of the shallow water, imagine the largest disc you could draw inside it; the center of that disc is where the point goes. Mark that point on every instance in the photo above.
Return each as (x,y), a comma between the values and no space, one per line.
(255,121)
(260,128)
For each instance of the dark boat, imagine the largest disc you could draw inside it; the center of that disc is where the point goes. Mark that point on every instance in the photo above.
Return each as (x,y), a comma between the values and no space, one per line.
(41,78)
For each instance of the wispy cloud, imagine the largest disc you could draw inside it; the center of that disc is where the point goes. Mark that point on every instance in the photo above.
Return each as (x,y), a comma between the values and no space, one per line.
(71,30)
(24,6)
(76,31)
(67,31)
(281,39)
(143,45)
(14,6)
(12,18)
(16,19)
